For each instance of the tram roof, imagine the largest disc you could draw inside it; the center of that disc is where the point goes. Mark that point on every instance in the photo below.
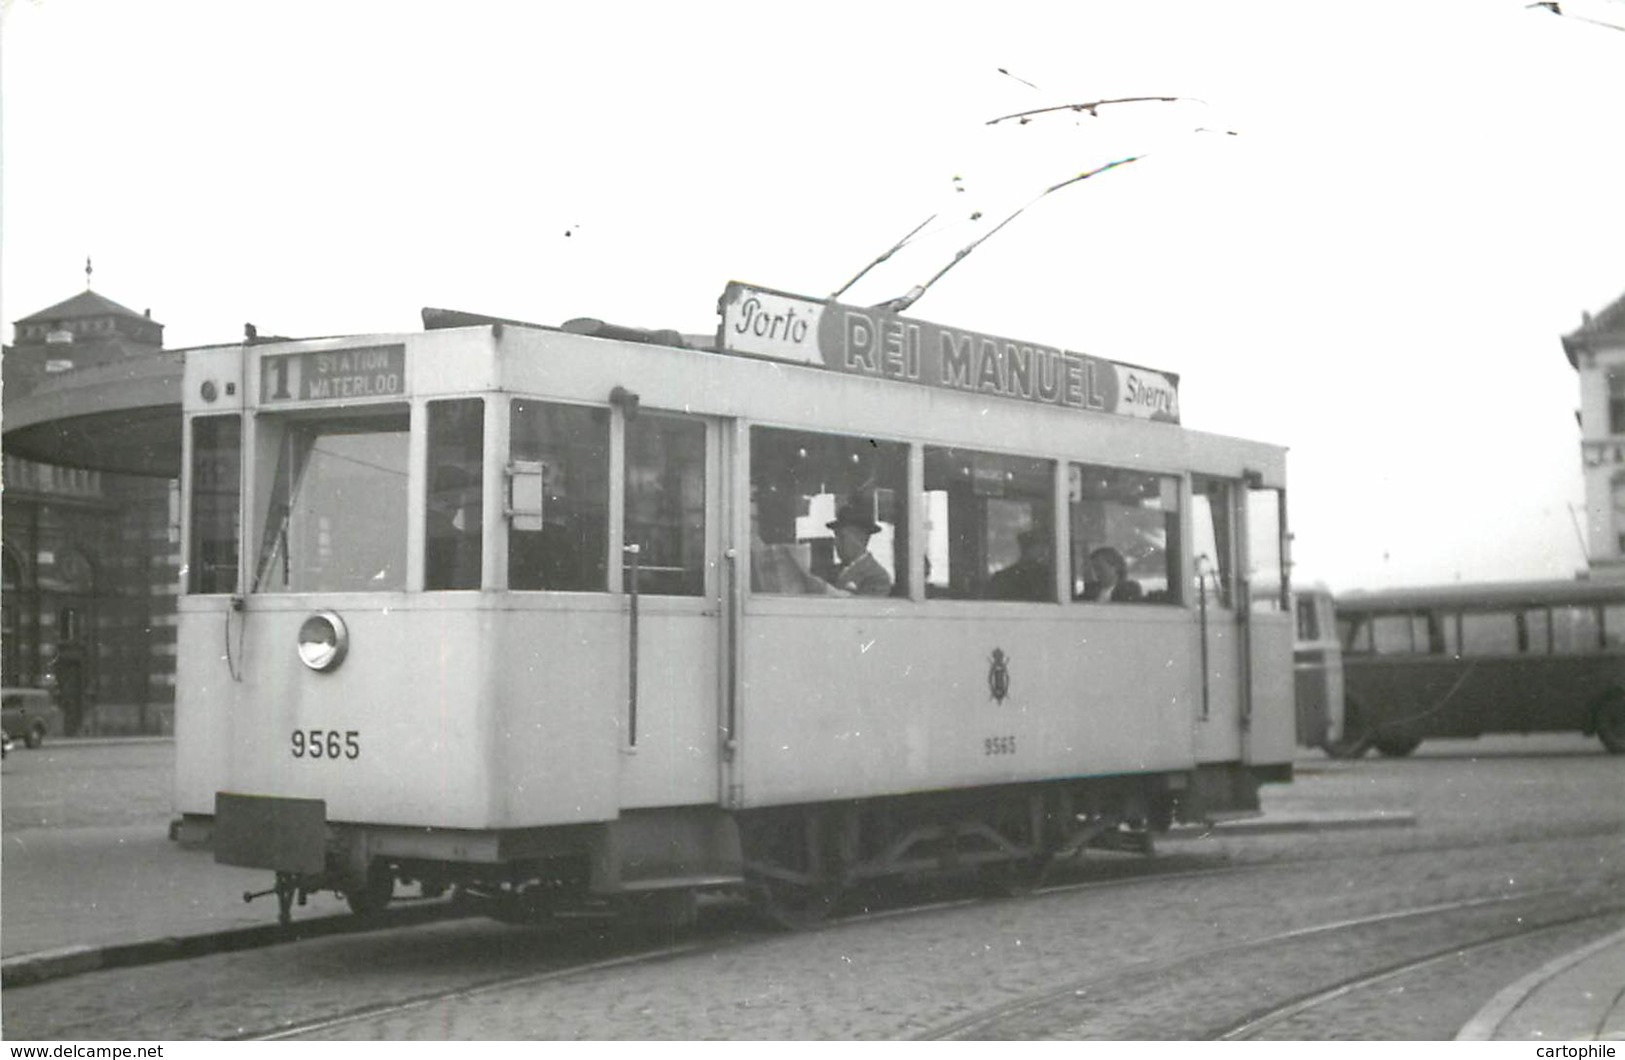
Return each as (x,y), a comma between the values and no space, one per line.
(1487,595)
(125,416)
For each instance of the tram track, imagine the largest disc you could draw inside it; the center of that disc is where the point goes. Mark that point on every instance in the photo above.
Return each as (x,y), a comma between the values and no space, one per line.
(1114,1005)
(1254,1026)
(566,952)
(1018,1019)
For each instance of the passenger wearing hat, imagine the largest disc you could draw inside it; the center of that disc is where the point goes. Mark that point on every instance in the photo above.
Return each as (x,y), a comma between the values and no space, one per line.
(861,574)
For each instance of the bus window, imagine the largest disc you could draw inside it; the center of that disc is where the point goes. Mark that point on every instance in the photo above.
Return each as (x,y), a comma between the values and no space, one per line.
(665,502)
(1130,511)
(1396,634)
(1266,551)
(570,551)
(216,468)
(335,489)
(453,508)
(800,483)
(1355,634)
(1535,631)
(980,507)
(1444,638)
(1613,625)
(1488,633)
(1211,523)
(1575,630)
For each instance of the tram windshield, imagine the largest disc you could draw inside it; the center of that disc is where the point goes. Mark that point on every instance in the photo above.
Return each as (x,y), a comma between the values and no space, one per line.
(333,518)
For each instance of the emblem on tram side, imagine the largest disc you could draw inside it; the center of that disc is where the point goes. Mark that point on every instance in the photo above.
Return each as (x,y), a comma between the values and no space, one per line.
(998,675)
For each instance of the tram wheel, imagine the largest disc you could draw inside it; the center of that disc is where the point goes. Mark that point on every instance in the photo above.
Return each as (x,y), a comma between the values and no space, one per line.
(1014,878)
(1610,720)
(374,893)
(1398,746)
(796,906)
(35,737)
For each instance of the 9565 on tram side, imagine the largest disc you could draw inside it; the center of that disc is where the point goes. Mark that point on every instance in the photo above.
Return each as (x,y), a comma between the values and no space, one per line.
(588,614)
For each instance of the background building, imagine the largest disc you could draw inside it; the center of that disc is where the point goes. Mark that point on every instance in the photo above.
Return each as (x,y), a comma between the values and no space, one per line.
(90,558)
(1597,352)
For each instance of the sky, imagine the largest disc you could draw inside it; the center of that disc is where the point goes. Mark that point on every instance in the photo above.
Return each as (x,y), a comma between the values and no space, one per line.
(1368,254)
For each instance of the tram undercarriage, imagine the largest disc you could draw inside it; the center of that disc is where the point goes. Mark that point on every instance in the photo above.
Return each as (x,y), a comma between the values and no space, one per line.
(793,861)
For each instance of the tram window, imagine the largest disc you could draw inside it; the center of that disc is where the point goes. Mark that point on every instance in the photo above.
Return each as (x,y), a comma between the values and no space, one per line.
(1575,630)
(570,551)
(1211,523)
(1135,514)
(1489,633)
(1266,554)
(1308,620)
(216,511)
(335,514)
(979,507)
(665,503)
(800,483)
(454,507)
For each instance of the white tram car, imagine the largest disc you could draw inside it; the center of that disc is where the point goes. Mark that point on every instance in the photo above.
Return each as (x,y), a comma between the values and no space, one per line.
(548,614)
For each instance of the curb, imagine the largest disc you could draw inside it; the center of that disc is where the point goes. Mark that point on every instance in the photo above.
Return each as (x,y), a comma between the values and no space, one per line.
(1282,825)
(1487,1020)
(32,968)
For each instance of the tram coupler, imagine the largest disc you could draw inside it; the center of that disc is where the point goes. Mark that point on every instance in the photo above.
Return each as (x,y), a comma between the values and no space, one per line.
(285,889)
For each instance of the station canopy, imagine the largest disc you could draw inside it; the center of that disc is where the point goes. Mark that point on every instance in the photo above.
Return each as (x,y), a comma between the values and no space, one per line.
(122,417)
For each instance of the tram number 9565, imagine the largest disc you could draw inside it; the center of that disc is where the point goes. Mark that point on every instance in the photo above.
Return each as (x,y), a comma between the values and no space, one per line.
(326,743)
(999,745)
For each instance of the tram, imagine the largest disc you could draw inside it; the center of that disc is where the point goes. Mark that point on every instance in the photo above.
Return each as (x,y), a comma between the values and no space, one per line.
(574,614)
(1318,670)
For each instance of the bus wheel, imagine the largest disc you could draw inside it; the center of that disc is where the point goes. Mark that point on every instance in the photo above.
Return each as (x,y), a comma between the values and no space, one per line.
(373,894)
(1356,740)
(1610,720)
(1398,746)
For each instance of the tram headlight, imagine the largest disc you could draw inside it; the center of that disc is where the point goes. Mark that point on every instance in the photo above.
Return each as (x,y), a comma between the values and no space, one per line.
(323,640)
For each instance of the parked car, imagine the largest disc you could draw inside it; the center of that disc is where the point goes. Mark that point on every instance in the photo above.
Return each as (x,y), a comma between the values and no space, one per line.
(29,714)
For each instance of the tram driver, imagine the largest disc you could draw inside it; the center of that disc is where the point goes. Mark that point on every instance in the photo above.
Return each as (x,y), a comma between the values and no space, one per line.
(452,559)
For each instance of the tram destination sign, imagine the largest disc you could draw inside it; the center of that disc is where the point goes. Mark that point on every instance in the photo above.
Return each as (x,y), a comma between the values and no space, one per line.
(326,375)
(760,322)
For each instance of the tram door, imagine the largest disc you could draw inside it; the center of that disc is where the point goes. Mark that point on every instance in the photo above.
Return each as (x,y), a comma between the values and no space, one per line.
(1221,625)
(673,539)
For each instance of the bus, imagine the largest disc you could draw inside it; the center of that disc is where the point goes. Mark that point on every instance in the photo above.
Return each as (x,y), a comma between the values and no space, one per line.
(589,613)
(1463,660)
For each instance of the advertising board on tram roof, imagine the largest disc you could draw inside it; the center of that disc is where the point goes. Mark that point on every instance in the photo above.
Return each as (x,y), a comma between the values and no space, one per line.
(876,342)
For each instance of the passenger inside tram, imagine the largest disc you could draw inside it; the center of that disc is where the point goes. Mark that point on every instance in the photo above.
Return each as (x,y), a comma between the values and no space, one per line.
(1108,579)
(1030,577)
(860,574)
